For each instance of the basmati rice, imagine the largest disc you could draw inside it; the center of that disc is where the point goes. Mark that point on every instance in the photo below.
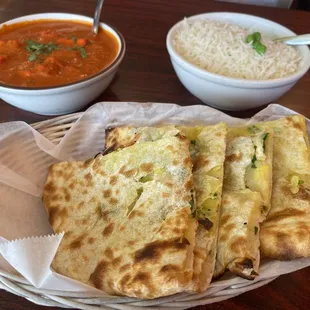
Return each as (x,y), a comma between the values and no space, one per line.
(222,49)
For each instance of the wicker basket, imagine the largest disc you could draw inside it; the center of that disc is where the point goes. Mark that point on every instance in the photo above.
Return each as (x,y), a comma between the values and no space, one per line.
(54,130)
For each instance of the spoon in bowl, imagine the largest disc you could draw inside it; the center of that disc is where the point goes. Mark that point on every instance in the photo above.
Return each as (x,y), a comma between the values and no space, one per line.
(303,39)
(97,17)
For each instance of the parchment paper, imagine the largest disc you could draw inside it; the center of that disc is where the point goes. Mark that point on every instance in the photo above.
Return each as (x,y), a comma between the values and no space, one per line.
(27,242)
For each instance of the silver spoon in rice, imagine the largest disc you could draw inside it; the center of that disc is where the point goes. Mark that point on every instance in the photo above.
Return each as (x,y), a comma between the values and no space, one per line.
(303,39)
(96,20)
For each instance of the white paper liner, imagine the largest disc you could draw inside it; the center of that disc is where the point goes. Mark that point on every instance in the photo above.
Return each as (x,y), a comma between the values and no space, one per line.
(25,157)
(22,254)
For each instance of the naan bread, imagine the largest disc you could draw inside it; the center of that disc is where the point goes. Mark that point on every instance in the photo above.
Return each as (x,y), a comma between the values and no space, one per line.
(207,147)
(246,200)
(238,241)
(121,137)
(249,161)
(285,234)
(127,219)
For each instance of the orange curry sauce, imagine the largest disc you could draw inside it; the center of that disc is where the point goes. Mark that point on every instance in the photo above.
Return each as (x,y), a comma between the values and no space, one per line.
(46,53)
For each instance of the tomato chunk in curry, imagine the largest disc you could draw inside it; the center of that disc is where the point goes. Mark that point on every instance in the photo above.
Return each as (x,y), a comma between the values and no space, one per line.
(47,53)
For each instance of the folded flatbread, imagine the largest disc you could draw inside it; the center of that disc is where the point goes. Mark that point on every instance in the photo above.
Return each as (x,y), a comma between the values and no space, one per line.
(246,200)
(285,234)
(127,219)
(249,161)
(238,241)
(207,148)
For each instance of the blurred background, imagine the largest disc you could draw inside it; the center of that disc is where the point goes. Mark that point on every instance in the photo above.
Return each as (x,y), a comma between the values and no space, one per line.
(295,4)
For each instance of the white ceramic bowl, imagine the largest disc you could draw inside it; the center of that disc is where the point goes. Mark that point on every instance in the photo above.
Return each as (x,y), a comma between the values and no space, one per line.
(67,98)
(231,93)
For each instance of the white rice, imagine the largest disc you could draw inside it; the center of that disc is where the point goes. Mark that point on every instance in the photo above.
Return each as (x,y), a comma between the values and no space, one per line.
(221,48)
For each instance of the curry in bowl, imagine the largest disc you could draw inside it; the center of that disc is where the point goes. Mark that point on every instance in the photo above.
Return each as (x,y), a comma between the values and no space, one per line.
(47,53)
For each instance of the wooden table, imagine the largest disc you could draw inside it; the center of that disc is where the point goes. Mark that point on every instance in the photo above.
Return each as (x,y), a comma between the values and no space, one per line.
(147,75)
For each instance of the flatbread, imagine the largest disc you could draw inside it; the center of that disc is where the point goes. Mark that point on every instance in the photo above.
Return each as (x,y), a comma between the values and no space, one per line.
(207,147)
(238,241)
(208,154)
(249,161)
(127,219)
(121,137)
(285,234)
(246,200)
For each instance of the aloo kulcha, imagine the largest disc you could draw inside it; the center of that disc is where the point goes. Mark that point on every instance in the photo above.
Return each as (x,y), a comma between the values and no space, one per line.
(285,234)
(148,217)
(127,219)
(207,149)
(246,200)
(44,53)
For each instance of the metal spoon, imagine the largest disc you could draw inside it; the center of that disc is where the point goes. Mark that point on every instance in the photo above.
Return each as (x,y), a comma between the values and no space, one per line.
(303,39)
(97,16)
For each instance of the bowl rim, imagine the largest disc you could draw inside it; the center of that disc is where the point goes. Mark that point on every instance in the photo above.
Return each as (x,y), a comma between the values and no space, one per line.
(230,81)
(77,17)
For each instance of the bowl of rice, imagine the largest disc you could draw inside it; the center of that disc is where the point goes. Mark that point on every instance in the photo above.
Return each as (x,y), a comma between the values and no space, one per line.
(231,61)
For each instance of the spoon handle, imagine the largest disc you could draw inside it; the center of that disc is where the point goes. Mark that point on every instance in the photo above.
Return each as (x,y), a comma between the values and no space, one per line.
(97,16)
(303,39)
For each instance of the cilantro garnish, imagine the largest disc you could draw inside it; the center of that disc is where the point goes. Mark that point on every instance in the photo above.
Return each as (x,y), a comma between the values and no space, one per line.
(37,50)
(255,40)
(80,49)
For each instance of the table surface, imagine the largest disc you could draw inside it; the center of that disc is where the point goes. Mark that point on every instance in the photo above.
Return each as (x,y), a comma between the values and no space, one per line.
(147,75)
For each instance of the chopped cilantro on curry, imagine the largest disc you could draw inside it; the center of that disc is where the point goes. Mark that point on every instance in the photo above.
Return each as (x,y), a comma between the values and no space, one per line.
(38,50)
